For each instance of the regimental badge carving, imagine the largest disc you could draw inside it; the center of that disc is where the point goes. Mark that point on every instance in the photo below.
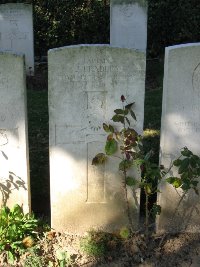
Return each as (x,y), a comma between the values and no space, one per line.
(127,10)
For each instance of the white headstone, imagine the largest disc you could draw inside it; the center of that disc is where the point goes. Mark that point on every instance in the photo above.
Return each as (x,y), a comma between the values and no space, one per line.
(180,128)
(16,31)
(128,24)
(14,170)
(85,86)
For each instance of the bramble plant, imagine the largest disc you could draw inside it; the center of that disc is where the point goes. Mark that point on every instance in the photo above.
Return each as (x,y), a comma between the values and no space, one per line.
(129,143)
(127,140)
(151,176)
(188,166)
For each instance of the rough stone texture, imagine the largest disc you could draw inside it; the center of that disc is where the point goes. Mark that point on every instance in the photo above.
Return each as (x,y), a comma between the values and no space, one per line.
(16,31)
(85,85)
(128,24)
(180,128)
(14,172)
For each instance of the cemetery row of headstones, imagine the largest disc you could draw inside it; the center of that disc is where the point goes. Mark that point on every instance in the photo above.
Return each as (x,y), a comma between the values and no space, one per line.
(85,84)
(128,28)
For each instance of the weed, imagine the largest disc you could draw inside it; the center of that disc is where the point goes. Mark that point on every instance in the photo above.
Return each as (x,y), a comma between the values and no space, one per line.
(129,143)
(17,231)
(97,243)
(124,233)
(34,259)
(63,257)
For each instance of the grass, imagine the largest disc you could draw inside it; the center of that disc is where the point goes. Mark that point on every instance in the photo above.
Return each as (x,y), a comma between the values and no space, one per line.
(98,244)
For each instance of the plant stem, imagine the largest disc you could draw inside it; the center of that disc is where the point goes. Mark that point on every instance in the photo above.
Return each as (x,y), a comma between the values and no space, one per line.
(173,216)
(146,216)
(125,176)
(127,203)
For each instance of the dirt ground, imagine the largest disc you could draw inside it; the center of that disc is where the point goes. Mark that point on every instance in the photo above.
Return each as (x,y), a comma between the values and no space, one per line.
(180,250)
(176,250)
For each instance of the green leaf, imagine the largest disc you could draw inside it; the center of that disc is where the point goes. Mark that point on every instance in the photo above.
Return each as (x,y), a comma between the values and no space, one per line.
(175,181)
(148,188)
(186,152)
(125,164)
(186,186)
(112,130)
(119,111)
(148,155)
(129,106)
(131,181)
(11,257)
(111,147)
(194,183)
(118,118)
(193,162)
(133,115)
(177,162)
(184,176)
(100,158)
(184,165)
(127,120)
(106,128)
(156,210)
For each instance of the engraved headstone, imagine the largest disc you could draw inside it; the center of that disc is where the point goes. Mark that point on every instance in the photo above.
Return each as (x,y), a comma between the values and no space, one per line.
(85,86)
(180,128)
(14,172)
(128,24)
(16,31)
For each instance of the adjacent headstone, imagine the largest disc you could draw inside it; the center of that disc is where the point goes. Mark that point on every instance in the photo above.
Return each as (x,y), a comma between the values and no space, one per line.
(128,24)
(14,171)
(16,31)
(180,128)
(85,86)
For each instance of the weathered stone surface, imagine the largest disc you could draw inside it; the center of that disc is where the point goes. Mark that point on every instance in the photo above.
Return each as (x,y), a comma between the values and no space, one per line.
(14,172)
(128,24)
(85,85)
(16,31)
(180,128)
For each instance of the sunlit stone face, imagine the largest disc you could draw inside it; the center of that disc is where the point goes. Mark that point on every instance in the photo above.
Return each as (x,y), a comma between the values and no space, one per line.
(180,128)
(85,86)
(14,173)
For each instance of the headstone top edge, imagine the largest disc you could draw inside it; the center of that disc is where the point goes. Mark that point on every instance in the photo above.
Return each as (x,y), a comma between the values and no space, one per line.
(189,45)
(16,4)
(95,45)
(19,55)
(142,3)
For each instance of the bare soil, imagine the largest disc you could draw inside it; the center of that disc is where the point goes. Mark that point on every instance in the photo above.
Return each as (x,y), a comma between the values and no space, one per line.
(176,250)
